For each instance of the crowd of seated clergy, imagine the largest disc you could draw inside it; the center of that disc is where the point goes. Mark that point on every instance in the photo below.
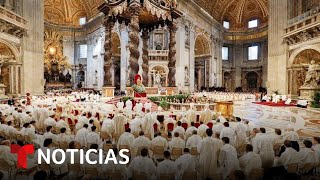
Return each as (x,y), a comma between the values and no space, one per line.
(179,147)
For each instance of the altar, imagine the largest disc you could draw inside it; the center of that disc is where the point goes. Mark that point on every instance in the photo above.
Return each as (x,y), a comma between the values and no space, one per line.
(226,108)
(152,91)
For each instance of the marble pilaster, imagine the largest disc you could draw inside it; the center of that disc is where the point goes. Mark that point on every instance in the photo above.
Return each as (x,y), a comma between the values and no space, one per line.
(277,55)
(124,39)
(33,43)
(192,59)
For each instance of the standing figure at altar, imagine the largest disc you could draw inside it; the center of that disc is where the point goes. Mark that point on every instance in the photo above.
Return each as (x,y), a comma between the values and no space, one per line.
(158,80)
(120,105)
(138,87)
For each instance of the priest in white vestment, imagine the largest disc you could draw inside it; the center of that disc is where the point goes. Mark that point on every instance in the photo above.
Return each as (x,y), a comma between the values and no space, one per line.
(93,137)
(228,158)
(142,164)
(135,125)
(120,105)
(208,149)
(307,155)
(126,139)
(240,133)
(158,140)
(179,129)
(81,136)
(289,156)
(190,130)
(50,121)
(250,160)
(228,132)
(63,136)
(166,167)
(107,126)
(262,145)
(147,123)
(191,113)
(177,142)
(193,141)
(119,122)
(185,163)
(202,129)
(140,142)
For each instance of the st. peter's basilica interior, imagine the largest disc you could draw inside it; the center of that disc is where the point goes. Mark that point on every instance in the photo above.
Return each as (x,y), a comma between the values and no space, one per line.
(257,60)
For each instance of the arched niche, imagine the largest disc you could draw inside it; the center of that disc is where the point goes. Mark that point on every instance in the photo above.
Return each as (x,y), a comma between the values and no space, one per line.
(298,67)
(10,67)
(158,70)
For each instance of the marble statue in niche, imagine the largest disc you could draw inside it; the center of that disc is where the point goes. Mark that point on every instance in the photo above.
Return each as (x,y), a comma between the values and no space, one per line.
(158,79)
(313,75)
(187,36)
(186,76)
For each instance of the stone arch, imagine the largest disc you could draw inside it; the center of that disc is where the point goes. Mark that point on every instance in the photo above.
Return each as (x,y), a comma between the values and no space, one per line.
(152,72)
(227,81)
(298,67)
(296,52)
(15,51)
(202,45)
(252,80)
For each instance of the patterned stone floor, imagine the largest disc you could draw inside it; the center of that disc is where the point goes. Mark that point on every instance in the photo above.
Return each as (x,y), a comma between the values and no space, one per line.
(305,121)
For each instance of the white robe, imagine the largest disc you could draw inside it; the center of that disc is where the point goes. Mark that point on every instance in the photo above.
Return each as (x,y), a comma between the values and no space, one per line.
(184,163)
(189,131)
(140,142)
(191,115)
(135,125)
(142,164)
(64,138)
(126,139)
(107,126)
(180,130)
(228,132)
(289,156)
(147,124)
(49,122)
(176,142)
(240,134)
(159,141)
(119,122)
(307,155)
(262,145)
(209,149)
(81,136)
(120,106)
(193,141)
(228,160)
(202,130)
(250,161)
(217,128)
(93,138)
(166,167)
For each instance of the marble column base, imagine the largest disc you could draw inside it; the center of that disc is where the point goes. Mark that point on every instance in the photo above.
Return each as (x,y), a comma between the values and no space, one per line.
(108,91)
(308,92)
(3,91)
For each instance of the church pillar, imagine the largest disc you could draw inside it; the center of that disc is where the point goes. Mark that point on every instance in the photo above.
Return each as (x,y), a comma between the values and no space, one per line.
(192,59)
(33,43)
(172,55)
(219,63)
(124,39)
(277,55)
(108,23)
(134,41)
(145,57)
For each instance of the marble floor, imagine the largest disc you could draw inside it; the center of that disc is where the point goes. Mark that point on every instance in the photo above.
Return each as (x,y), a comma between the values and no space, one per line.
(305,121)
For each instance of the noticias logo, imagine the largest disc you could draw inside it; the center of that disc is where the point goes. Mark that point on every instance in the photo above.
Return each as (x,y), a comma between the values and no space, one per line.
(52,156)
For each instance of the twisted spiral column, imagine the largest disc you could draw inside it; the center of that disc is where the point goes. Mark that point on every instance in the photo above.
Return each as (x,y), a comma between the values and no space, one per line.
(134,45)
(108,23)
(145,57)
(172,55)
